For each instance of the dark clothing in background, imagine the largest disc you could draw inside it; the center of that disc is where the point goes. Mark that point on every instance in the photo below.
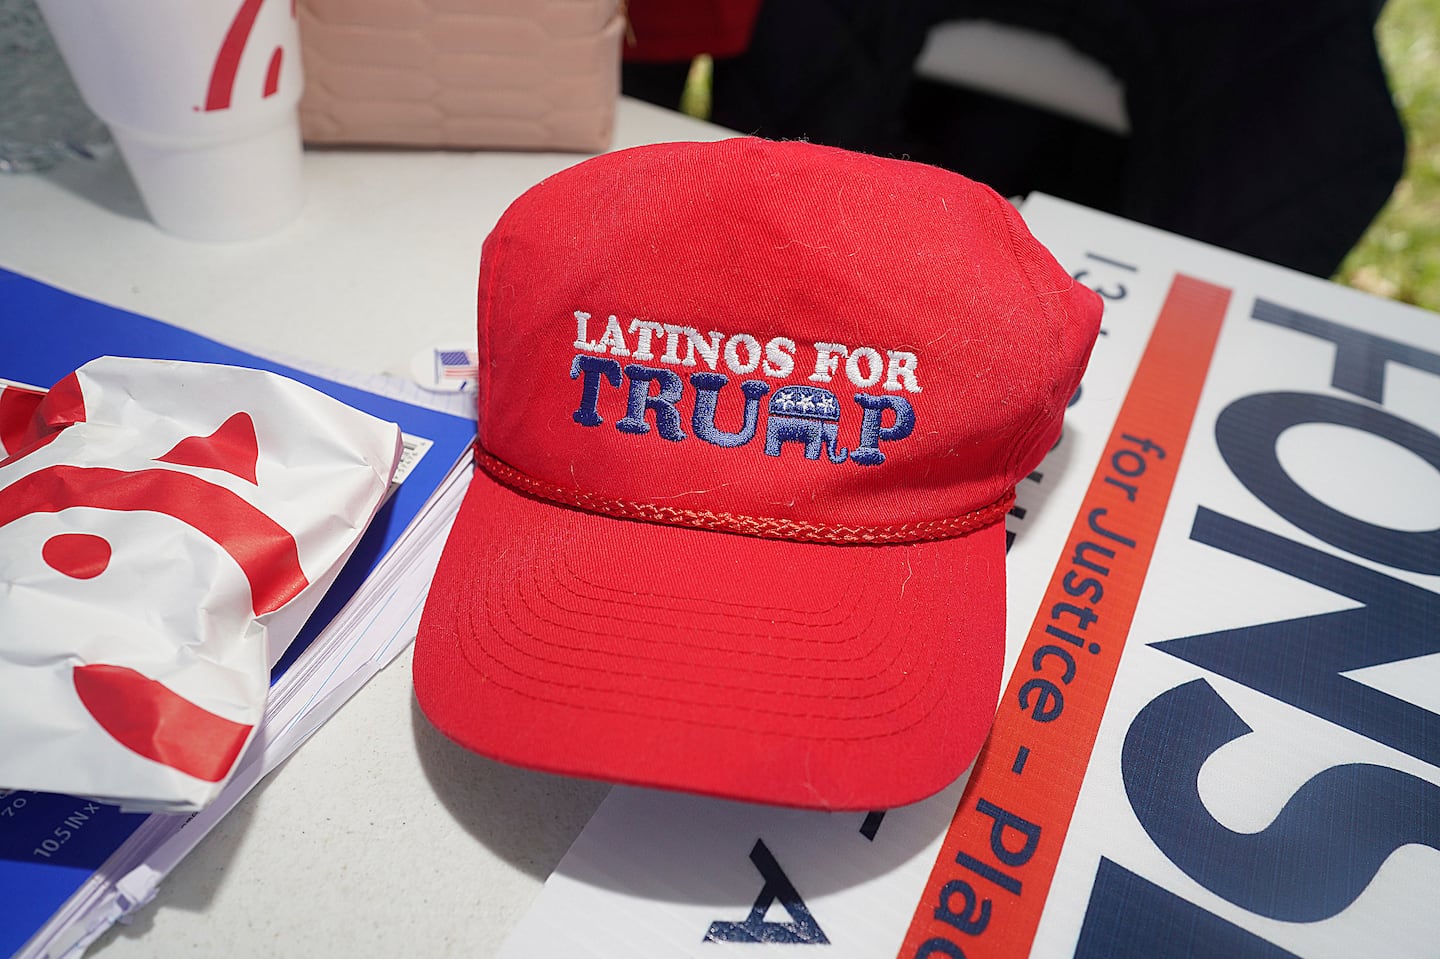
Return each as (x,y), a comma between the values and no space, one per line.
(1262,126)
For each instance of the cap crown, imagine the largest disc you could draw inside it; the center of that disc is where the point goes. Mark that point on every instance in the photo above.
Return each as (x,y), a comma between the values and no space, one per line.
(774,332)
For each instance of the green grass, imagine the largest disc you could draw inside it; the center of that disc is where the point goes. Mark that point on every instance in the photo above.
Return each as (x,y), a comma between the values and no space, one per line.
(1399,256)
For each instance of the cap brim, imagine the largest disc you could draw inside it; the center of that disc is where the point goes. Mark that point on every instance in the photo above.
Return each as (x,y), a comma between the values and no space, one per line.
(798,674)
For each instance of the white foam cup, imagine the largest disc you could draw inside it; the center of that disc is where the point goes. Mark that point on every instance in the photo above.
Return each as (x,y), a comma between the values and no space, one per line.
(201,98)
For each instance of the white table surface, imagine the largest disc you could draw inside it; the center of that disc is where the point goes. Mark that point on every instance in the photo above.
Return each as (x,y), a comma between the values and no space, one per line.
(379,837)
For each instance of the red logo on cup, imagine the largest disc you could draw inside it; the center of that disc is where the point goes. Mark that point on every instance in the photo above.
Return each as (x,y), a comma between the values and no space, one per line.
(232,50)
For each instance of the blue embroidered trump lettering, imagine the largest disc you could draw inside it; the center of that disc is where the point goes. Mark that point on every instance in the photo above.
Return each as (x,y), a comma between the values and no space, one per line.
(667,418)
(592,368)
(796,414)
(707,389)
(871,432)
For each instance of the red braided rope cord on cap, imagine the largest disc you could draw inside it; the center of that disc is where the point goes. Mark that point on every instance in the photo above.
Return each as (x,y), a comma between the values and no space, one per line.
(763,526)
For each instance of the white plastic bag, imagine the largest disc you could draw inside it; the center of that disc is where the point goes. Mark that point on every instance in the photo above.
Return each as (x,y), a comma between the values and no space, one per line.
(165,530)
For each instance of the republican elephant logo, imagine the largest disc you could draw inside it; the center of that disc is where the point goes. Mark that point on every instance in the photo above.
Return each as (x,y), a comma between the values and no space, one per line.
(808,415)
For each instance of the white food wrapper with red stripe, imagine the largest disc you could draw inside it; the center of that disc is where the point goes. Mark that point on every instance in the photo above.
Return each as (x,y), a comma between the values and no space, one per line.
(166,528)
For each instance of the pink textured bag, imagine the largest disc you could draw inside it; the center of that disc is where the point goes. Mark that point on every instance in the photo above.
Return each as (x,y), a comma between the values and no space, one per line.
(502,74)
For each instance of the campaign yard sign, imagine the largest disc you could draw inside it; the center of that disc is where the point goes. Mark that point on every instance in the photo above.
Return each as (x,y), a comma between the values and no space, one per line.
(1220,734)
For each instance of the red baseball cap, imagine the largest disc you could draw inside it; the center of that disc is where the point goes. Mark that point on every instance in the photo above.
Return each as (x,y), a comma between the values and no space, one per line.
(751,415)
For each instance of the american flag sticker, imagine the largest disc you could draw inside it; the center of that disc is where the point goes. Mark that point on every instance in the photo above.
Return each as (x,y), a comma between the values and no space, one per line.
(447,369)
(455,365)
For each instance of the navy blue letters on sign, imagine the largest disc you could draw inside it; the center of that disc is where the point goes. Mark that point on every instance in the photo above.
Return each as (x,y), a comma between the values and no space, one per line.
(1318,854)
(1132,918)
(1247,432)
(1302,661)
(1360,357)
(802,928)
(1317,857)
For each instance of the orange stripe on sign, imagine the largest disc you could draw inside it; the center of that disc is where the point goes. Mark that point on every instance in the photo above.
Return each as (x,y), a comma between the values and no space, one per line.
(993,874)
